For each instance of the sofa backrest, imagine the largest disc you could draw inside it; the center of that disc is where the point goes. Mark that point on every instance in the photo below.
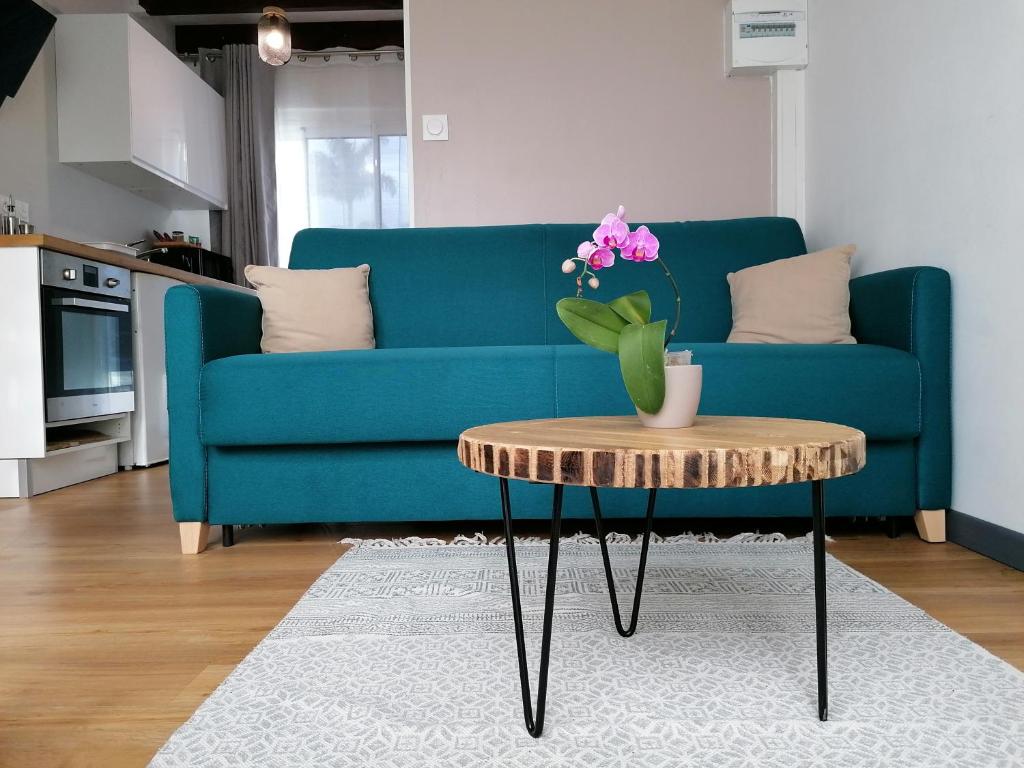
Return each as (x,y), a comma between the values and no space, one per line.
(497,286)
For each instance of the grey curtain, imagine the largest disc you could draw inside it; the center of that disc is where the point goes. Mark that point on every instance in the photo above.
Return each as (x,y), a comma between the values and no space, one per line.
(211,69)
(249,230)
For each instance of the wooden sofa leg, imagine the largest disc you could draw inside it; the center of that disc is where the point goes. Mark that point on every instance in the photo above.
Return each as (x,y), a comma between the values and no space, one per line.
(193,537)
(931,524)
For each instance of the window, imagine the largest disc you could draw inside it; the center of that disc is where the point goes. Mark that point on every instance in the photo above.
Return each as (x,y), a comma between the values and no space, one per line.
(394,181)
(357,182)
(342,153)
(342,183)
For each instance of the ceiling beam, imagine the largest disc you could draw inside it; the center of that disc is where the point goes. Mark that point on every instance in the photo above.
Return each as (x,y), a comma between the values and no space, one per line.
(200,7)
(361,35)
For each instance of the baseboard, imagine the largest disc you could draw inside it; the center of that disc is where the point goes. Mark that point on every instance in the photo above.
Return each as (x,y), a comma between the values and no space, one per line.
(986,538)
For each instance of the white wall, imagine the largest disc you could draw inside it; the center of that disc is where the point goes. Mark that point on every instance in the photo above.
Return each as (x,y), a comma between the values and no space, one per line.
(558,111)
(64,201)
(915,119)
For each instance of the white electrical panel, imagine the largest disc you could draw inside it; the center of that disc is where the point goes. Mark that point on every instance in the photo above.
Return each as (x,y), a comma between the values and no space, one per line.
(763,36)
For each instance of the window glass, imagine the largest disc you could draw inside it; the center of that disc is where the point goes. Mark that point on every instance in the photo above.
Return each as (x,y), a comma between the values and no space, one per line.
(342,178)
(342,154)
(394,182)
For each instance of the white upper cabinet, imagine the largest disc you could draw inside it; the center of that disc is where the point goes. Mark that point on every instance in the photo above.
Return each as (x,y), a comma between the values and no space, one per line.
(158,99)
(206,160)
(130,112)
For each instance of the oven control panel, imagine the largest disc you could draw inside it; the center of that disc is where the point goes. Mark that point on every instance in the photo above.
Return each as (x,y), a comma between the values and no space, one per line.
(60,270)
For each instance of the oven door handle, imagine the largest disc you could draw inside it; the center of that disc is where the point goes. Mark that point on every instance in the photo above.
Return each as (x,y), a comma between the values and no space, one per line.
(91,304)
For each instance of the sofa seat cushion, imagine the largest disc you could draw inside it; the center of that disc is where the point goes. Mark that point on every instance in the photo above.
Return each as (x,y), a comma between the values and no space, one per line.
(378,395)
(424,394)
(874,389)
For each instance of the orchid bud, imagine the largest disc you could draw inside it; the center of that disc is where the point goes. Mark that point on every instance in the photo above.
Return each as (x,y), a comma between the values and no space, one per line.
(594,283)
(568,266)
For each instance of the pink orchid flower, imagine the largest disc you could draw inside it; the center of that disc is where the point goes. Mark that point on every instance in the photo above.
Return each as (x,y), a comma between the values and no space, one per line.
(601,258)
(585,249)
(642,245)
(613,232)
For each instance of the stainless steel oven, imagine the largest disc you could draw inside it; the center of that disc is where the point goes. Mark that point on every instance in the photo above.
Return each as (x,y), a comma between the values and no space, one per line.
(87,338)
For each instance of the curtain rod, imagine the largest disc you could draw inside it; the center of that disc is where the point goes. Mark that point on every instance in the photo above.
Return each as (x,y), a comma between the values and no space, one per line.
(325,54)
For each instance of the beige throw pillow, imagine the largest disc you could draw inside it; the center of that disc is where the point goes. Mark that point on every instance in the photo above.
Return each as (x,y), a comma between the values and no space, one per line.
(312,310)
(802,300)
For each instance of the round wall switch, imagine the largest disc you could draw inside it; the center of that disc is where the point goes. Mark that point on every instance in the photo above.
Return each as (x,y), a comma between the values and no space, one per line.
(435,127)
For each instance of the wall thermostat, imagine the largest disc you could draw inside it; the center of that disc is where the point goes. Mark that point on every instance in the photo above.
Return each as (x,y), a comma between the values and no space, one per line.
(764,36)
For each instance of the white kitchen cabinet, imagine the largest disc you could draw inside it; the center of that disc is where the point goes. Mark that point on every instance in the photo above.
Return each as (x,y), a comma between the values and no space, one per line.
(130,112)
(22,395)
(158,93)
(206,160)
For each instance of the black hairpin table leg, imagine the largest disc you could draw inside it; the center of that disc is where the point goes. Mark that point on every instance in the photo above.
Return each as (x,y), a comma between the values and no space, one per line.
(820,613)
(534,721)
(599,525)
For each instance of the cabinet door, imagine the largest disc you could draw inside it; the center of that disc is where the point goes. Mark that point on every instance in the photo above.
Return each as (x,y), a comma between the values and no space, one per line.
(219,151)
(93,109)
(206,148)
(158,86)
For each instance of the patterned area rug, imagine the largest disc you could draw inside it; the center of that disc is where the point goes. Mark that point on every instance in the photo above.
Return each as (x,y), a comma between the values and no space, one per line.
(405,656)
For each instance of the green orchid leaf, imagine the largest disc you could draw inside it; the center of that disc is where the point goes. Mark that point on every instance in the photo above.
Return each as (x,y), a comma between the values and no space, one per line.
(642,361)
(591,322)
(633,307)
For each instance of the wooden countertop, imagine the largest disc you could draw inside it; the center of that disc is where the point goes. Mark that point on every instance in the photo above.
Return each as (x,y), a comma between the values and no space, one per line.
(108,257)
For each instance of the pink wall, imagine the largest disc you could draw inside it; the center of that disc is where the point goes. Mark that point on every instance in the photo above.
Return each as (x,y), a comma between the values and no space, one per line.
(560,109)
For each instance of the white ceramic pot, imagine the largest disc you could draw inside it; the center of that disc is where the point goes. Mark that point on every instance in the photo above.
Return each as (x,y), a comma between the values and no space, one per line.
(682,396)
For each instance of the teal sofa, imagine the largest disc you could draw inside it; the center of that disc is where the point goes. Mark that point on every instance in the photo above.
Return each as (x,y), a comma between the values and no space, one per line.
(467,334)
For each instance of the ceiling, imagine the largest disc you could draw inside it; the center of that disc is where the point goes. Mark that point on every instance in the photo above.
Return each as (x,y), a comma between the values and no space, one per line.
(207,7)
(91,6)
(234,11)
(296,17)
(361,35)
(316,25)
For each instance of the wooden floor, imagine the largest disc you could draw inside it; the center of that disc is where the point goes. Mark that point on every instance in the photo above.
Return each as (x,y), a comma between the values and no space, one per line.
(109,638)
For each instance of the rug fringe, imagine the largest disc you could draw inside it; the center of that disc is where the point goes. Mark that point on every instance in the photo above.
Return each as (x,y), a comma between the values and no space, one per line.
(480,540)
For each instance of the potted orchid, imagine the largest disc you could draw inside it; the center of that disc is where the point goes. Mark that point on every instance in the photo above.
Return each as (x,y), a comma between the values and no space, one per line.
(664,386)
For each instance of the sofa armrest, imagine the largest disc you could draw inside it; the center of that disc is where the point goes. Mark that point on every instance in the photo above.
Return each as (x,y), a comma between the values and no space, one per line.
(201,323)
(910,309)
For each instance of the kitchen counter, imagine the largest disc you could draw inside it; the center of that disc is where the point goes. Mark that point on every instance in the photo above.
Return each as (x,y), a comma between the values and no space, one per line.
(107,257)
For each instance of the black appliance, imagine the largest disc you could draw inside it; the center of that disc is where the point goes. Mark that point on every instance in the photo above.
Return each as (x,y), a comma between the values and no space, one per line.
(190,258)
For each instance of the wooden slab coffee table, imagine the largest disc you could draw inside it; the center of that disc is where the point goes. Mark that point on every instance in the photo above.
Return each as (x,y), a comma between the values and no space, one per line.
(617,452)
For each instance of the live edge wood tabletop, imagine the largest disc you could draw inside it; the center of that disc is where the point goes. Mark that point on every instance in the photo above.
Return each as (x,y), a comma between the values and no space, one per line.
(617,452)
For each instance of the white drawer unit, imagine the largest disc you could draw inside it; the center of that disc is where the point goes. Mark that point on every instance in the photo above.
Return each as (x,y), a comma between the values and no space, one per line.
(61,469)
(130,112)
(76,450)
